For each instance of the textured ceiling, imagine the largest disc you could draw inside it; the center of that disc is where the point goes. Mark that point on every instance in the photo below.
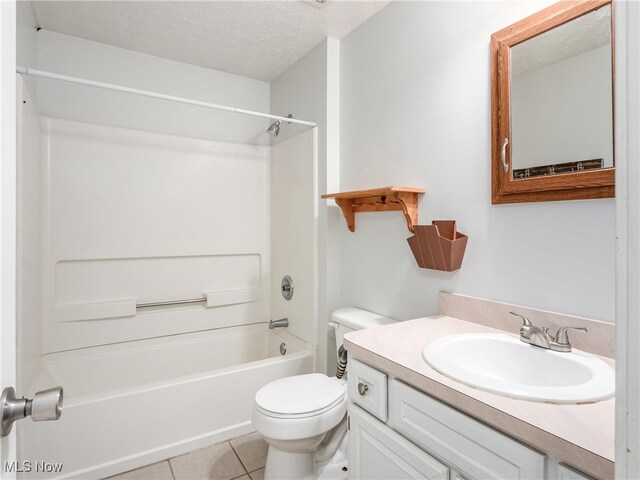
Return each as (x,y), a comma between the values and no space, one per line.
(256,39)
(581,35)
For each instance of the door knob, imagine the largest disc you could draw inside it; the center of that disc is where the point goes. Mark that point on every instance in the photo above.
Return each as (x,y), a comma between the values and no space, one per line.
(46,405)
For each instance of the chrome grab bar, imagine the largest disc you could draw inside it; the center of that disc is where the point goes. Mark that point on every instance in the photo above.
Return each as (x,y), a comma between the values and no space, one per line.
(171,302)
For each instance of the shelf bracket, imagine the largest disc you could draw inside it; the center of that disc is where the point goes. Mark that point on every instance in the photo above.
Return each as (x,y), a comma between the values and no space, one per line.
(346,205)
(409,203)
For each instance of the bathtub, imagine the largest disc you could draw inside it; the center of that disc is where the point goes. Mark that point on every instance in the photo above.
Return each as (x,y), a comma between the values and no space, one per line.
(132,404)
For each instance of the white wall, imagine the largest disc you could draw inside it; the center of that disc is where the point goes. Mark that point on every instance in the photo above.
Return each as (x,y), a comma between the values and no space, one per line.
(627,116)
(26,48)
(415,111)
(563,112)
(136,217)
(302,91)
(331,254)
(82,58)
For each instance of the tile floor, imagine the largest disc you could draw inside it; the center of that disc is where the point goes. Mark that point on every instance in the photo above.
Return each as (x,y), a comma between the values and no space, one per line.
(242,458)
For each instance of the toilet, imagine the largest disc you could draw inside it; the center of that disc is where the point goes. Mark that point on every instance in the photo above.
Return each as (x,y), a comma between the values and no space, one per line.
(303,418)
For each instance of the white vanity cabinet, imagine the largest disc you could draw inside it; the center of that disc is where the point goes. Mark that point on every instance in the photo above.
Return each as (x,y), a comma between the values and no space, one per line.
(378,453)
(470,446)
(399,432)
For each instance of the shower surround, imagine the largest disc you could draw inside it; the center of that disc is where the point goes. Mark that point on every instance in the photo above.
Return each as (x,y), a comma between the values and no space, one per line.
(118,217)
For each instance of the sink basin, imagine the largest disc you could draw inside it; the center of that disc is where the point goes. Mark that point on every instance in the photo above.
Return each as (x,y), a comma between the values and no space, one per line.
(502,364)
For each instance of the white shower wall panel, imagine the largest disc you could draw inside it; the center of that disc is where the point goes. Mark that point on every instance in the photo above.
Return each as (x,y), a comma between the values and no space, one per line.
(294,224)
(101,280)
(29,257)
(135,217)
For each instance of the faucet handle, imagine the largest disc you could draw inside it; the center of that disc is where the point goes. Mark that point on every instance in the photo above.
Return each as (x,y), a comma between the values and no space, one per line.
(562,338)
(527,326)
(525,320)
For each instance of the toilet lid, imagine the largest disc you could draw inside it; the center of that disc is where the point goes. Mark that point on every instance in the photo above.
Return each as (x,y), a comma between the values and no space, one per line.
(300,394)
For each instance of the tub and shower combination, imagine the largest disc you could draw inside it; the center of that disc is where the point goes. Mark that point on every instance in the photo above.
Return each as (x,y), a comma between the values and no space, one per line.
(127,406)
(118,217)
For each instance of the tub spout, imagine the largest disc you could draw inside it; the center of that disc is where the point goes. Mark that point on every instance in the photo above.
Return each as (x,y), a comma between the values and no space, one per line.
(283,322)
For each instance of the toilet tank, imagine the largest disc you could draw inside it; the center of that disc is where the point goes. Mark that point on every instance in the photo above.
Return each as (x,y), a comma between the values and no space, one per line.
(351,319)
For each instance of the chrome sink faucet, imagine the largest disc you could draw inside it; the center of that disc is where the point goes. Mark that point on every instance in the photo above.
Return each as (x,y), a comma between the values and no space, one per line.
(540,337)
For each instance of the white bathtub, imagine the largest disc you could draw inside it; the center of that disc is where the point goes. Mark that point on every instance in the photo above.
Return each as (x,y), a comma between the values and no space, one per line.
(129,405)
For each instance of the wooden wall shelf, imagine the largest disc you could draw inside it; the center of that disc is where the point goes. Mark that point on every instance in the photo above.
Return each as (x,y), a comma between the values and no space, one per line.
(379,200)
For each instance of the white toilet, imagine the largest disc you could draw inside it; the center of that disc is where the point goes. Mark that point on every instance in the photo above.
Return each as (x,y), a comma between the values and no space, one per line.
(303,418)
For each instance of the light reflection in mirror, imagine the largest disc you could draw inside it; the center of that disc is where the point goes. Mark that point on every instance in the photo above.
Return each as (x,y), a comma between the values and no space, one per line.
(562,98)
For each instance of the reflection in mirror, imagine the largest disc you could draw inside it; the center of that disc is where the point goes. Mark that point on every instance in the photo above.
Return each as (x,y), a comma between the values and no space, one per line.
(562,99)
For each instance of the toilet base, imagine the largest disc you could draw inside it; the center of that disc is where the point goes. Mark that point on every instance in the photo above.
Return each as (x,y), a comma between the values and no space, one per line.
(289,466)
(303,465)
(336,468)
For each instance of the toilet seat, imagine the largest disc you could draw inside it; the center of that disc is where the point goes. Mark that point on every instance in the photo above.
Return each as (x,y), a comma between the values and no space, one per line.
(299,407)
(299,415)
(300,396)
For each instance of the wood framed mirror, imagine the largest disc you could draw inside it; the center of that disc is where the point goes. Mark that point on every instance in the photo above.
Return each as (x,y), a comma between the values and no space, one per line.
(552,105)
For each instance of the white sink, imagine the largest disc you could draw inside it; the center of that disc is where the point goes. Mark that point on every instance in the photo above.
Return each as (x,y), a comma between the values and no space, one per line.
(502,364)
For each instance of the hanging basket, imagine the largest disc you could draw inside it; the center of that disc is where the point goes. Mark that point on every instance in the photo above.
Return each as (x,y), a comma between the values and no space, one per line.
(438,246)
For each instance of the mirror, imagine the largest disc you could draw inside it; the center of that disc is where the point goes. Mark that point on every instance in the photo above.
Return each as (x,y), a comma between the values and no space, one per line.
(552,105)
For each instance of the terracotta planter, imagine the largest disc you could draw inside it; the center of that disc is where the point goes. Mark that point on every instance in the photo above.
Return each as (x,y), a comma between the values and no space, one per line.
(438,246)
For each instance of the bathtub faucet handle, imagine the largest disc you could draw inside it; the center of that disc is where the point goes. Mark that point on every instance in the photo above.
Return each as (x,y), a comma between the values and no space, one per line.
(283,322)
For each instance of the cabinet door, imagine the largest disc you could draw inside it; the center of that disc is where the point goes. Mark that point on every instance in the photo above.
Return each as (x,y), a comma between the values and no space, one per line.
(378,453)
(471,447)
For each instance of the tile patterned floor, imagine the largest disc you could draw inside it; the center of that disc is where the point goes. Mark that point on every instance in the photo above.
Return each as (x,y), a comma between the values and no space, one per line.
(242,458)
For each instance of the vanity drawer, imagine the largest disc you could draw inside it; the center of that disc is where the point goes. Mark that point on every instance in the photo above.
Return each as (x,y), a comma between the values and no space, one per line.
(367,387)
(476,450)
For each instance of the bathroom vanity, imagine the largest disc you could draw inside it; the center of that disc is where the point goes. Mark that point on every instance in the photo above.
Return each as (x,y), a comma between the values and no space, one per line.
(407,420)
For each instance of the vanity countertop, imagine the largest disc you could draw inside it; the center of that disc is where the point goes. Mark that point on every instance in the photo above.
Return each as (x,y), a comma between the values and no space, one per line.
(580,435)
